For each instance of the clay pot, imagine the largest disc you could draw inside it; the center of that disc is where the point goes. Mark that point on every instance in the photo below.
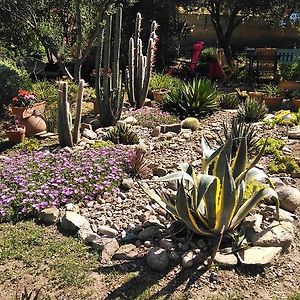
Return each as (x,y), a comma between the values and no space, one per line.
(296,104)
(158,95)
(273,103)
(258,96)
(31,118)
(290,85)
(16,137)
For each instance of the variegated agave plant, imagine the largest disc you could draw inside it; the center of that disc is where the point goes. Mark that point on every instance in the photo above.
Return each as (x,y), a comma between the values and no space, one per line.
(212,203)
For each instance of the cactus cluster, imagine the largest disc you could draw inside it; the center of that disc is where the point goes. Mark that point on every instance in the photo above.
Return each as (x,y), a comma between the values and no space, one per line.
(109,87)
(67,134)
(140,66)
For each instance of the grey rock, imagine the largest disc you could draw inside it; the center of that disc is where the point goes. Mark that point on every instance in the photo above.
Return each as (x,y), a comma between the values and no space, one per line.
(72,207)
(108,231)
(86,126)
(253,221)
(166,244)
(72,221)
(108,246)
(160,172)
(188,259)
(96,123)
(259,255)
(156,131)
(147,244)
(176,128)
(275,235)
(87,235)
(126,252)
(157,259)
(148,233)
(127,184)
(226,259)
(289,198)
(89,134)
(294,132)
(142,147)
(67,149)
(270,211)
(131,120)
(49,215)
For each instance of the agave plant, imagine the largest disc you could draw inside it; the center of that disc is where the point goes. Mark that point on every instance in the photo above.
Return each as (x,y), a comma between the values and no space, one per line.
(239,130)
(229,101)
(212,203)
(194,99)
(252,111)
(122,134)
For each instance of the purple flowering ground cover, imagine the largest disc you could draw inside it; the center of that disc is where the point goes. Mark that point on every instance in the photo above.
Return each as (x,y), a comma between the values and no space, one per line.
(33,181)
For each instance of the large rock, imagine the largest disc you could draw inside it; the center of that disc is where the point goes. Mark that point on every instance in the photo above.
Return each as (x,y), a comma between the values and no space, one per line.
(89,134)
(157,259)
(289,198)
(294,132)
(176,128)
(126,252)
(189,259)
(49,215)
(108,231)
(108,246)
(226,259)
(275,235)
(148,233)
(87,235)
(72,221)
(131,120)
(259,255)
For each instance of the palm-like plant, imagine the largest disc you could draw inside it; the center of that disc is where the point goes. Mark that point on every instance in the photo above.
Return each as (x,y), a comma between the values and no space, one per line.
(212,203)
(252,111)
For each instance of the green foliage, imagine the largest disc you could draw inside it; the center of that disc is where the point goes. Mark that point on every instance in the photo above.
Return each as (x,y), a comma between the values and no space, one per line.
(29,144)
(229,101)
(102,144)
(191,123)
(252,188)
(272,146)
(285,117)
(122,134)
(67,259)
(290,72)
(252,111)
(296,94)
(208,55)
(163,81)
(214,202)
(237,131)
(12,79)
(270,90)
(194,99)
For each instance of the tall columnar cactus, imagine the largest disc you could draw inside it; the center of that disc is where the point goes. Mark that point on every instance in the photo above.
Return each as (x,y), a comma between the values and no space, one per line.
(109,87)
(139,66)
(67,134)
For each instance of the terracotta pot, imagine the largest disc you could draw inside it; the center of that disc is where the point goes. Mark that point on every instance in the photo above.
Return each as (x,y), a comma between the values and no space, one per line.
(31,118)
(16,137)
(296,104)
(258,96)
(290,85)
(273,103)
(159,94)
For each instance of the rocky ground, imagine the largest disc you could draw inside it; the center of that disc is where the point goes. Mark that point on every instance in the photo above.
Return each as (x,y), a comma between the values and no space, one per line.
(129,231)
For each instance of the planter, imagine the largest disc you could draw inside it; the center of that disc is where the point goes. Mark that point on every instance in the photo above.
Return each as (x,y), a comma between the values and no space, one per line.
(273,103)
(296,104)
(258,96)
(16,137)
(158,95)
(290,85)
(31,117)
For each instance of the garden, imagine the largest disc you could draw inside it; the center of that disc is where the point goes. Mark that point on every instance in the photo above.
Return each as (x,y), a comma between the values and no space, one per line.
(130,172)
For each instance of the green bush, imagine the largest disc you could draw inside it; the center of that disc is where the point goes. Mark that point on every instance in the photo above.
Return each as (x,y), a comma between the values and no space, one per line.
(229,101)
(122,134)
(252,111)
(162,81)
(194,99)
(12,79)
(290,72)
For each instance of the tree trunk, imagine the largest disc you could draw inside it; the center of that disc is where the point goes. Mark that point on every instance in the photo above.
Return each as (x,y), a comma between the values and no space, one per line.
(77,70)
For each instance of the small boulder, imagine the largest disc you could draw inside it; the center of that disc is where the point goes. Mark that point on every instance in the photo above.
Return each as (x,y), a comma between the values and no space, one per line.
(131,120)
(289,198)
(160,172)
(176,128)
(148,233)
(108,231)
(89,134)
(157,259)
(156,131)
(294,132)
(87,235)
(49,215)
(226,259)
(72,221)
(127,184)
(126,252)
(189,259)
(259,255)
(108,246)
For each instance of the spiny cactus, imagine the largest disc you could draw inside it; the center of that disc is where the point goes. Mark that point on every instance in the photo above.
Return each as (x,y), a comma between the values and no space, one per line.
(67,135)
(109,87)
(139,70)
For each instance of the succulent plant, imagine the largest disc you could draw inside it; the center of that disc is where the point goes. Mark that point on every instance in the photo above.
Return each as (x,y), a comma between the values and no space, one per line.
(213,204)
(122,134)
(109,87)
(252,111)
(140,67)
(191,123)
(229,101)
(67,134)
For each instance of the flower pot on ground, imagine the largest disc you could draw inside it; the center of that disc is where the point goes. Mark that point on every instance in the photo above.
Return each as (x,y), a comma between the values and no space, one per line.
(29,113)
(290,85)
(14,131)
(258,96)
(159,94)
(272,99)
(296,100)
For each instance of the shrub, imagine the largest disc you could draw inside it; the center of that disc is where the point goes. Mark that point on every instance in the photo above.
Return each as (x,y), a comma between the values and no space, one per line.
(191,123)
(163,81)
(229,101)
(290,72)
(12,79)
(194,99)
(122,134)
(30,182)
(252,111)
